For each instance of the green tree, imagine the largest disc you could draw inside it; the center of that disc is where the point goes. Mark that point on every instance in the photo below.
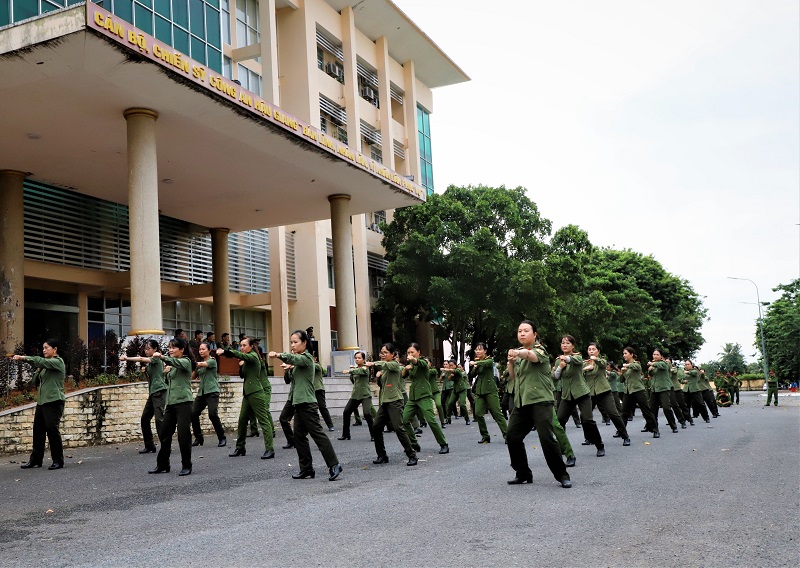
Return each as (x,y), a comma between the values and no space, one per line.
(782,332)
(731,359)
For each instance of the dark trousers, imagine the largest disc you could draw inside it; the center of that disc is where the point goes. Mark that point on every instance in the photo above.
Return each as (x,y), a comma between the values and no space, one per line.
(352,406)
(392,413)
(506,402)
(735,394)
(772,390)
(45,425)
(617,402)
(176,416)
(200,403)
(286,421)
(153,407)
(575,416)
(695,400)
(255,403)
(711,402)
(639,398)
(457,399)
(679,401)
(323,408)
(584,404)
(445,400)
(306,423)
(523,419)
(605,403)
(662,400)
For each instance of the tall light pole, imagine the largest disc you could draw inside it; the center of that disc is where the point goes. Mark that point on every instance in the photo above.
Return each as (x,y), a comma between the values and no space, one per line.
(760,326)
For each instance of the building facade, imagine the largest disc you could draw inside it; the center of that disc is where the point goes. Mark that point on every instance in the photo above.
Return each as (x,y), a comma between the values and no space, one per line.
(206,164)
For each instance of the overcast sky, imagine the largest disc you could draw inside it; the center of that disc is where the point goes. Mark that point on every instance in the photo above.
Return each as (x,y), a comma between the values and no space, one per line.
(671,128)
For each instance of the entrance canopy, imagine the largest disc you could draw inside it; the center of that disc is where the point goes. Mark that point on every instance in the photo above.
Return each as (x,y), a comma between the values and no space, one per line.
(226,158)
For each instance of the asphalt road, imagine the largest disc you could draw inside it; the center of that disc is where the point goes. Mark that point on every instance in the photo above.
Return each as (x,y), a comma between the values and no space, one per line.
(719,494)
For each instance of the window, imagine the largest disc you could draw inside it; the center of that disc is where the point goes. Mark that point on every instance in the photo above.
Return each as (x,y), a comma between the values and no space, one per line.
(12,11)
(247,23)
(367,84)
(331,281)
(250,80)
(425,160)
(376,154)
(225,8)
(330,55)
(334,340)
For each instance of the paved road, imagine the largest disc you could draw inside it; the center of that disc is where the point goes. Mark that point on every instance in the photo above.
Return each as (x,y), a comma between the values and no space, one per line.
(724,494)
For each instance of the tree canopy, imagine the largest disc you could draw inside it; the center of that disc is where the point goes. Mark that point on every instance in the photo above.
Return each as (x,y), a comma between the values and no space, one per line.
(782,332)
(478,260)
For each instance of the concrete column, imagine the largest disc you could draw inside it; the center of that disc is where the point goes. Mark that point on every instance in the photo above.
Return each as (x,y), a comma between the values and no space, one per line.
(279,325)
(83,316)
(143,221)
(384,95)
(350,89)
(220,286)
(268,25)
(343,271)
(410,107)
(12,261)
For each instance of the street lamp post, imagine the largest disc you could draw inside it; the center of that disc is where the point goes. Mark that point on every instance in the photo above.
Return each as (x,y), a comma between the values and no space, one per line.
(760,326)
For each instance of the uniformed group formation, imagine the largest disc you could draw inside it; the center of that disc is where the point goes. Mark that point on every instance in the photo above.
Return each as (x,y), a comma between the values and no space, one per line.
(528,388)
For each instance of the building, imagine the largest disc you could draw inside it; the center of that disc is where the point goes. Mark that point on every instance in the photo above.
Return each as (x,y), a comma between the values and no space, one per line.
(196,164)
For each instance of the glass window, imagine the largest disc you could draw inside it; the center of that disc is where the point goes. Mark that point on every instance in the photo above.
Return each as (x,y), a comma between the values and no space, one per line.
(24,9)
(163,30)
(5,12)
(124,9)
(163,7)
(181,41)
(180,12)
(246,22)
(143,18)
(197,24)
(226,22)
(425,159)
(213,32)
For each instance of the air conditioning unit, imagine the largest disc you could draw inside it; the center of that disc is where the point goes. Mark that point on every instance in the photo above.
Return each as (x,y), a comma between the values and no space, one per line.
(339,72)
(330,69)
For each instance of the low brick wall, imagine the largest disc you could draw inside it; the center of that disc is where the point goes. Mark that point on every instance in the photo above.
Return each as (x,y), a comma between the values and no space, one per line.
(111,414)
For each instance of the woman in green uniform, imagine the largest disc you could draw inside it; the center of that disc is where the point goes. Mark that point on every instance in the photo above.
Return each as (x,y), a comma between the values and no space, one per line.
(49,378)
(255,399)
(319,394)
(594,373)
(306,412)
(693,392)
(662,385)
(157,389)
(635,393)
(433,379)
(447,389)
(207,396)
(575,393)
(707,393)
(676,396)
(459,395)
(420,398)
(486,397)
(390,405)
(360,395)
(613,380)
(529,370)
(178,412)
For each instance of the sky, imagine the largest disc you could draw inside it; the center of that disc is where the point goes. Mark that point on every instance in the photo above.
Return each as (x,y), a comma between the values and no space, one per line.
(670,128)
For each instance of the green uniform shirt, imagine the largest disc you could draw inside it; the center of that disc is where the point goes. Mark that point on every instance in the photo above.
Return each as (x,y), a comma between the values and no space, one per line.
(263,377)
(572,384)
(632,377)
(418,375)
(360,379)
(155,376)
(673,376)
(433,379)
(318,372)
(661,380)
(180,380)
(692,384)
(49,377)
(613,381)
(596,378)
(209,383)
(460,383)
(251,370)
(483,370)
(392,384)
(702,381)
(447,382)
(302,377)
(532,381)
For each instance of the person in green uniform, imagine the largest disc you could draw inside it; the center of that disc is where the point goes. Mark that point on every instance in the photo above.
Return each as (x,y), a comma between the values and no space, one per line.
(486,397)
(612,376)
(662,385)
(359,396)
(723,399)
(529,369)
(706,393)
(287,414)
(772,388)
(635,393)
(447,388)
(575,393)
(390,405)
(676,397)
(306,412)
(157,389)
(420,398)
(693,392)
(594,373)
(319,393)
(255,398)
(459,395)
(178,412)
(49,379)
(734,386)
(433,379)
(207,396)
